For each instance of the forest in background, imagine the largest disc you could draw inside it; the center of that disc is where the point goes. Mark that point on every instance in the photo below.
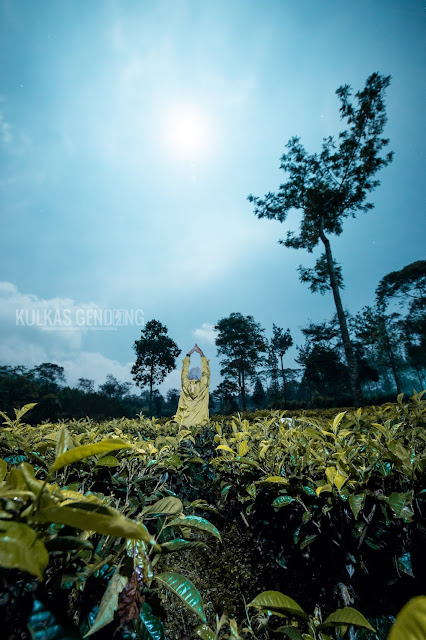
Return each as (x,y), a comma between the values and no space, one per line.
(389,341)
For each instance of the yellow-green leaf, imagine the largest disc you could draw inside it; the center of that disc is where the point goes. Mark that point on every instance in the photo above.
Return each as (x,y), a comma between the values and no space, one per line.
(225,447)
(347,615)
(20,548)
(272,600)
(23,410)
(3,469)
(33,483)
(244,448)
(330,472)
(272,479)
(87,450)
(339,480)
(204,632)
(324,487)
(112,525)
(168,506)
(109,603)
(108,461)
(338,419)
(63,441)
(410,623)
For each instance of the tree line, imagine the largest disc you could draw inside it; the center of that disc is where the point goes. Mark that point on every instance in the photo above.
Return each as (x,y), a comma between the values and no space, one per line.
(388,342)
(388,338)
(46,385)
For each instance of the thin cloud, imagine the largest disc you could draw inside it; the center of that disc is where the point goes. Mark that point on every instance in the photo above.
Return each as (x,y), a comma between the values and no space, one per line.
(205,333)
(36,330)
(5,131)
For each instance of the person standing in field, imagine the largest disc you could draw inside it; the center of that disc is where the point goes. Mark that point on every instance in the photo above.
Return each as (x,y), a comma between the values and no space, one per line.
(193,407)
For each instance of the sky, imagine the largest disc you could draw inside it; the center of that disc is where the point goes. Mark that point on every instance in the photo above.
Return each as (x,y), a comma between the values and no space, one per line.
(132,133)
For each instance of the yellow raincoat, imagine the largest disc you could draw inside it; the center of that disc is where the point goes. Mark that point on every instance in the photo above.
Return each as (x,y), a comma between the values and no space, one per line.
(193,405)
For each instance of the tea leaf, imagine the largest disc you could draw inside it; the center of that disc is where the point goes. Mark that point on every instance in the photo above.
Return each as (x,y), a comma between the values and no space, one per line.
(347,615)
(185,590)
(109,603)
(20,548)
(410,623)
(195,522)
(277,600)
(87,450)
(166,506)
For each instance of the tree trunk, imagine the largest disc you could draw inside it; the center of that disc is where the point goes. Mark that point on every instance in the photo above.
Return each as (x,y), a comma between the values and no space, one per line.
(347,344)
(243,387)
(284,380)
(392,362)
(417,370)
(150,393)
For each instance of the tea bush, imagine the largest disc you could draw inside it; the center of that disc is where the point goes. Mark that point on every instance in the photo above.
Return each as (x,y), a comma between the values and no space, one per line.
(140,528)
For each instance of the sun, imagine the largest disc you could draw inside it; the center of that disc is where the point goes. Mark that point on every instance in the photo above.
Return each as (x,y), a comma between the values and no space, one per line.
(187,132)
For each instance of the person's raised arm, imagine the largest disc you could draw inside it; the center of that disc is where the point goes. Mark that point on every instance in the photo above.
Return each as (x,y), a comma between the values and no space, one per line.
(185,369)
(198,350)
(205,371)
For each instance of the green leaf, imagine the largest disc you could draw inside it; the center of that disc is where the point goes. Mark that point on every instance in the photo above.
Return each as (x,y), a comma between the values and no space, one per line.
(109,603)
(185,590)
(282,501)
(173,461)
(273,479)
(308,540)
(403,564)
(178,544)
(347,615)
(356,503)
(138,550)
(67,543)
(290,632)
(42,625)
(154,628)
(309,491)
(410,623)
(20,548)
(204,632)
(108,461)
(87,450)
(62,442)
(247,461)
(110,525)
(398,504)
(3,469)
(277,600)
(168,506)
(195,522)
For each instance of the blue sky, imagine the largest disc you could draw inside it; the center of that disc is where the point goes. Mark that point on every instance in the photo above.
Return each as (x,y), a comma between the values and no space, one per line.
(131,134)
